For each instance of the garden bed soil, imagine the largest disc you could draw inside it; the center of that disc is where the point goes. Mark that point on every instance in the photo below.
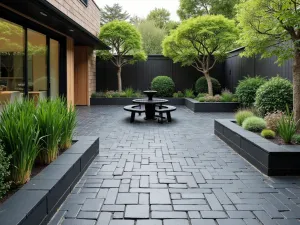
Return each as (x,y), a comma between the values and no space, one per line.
(270,158)
(39,199)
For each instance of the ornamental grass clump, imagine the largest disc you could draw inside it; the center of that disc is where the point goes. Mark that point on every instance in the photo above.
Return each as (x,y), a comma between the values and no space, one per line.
(241,115)
(254,124)
(287,127)
(50,123)
(272,119)
(189,93)
(268,134)
(68,114)
(20,137)
(296,139)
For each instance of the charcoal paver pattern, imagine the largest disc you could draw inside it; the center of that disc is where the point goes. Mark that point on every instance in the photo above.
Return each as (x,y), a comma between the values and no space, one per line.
(169,174)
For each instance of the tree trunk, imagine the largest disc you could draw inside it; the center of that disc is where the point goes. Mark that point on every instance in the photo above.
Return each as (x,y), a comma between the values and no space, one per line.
(119,79)
(296,86)
(209,83)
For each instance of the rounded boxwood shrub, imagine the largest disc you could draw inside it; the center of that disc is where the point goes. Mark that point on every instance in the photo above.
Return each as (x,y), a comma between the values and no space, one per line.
(201,85)
(246,90)
(241,115)
(268,134)
(276,94)
(164,86)
(254,124)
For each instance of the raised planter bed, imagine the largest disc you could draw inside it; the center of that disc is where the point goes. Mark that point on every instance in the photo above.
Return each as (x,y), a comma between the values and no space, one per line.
(268,157)
(128,101)
(196,106)
(37,201)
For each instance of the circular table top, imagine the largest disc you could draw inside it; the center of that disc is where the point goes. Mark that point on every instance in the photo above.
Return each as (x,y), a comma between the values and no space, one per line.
(150,92)
(153,101)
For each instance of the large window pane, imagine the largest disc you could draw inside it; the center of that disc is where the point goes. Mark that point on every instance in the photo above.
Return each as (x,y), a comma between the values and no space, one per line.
(11,61)
(54,68)
(37,64)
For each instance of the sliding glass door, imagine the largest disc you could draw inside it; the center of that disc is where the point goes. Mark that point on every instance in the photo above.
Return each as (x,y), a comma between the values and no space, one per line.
(29,63)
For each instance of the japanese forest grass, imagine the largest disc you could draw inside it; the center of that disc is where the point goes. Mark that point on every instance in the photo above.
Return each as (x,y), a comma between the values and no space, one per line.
(50,124)
(20,138)
(68,113)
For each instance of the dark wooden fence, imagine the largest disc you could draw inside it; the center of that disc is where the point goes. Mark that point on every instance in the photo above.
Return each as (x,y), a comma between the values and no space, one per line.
(140,75)
(235,68)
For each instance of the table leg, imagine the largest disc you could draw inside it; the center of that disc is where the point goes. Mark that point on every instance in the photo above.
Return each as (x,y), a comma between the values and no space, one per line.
(150,111)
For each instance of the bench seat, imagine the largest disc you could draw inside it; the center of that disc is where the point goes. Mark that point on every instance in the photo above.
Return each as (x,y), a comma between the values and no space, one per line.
(165,109)
(134,109)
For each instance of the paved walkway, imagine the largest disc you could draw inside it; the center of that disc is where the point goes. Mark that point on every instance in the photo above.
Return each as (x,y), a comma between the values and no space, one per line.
(172,174)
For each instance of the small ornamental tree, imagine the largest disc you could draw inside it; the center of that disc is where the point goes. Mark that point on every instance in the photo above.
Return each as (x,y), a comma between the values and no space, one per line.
(271,28)
(124,40)
(201,42)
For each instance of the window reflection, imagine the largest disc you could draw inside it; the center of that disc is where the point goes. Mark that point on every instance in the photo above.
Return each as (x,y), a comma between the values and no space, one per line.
(11,61)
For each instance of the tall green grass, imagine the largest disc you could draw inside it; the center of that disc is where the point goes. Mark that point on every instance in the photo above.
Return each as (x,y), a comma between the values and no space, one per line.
(50,122)
(68,114)
(20,136)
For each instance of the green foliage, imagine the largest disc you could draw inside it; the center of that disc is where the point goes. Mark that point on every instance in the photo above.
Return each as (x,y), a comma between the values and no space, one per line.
(241,115)
(254,124)
(201,95)
(19,133)
(164,86)
(264,23)
(68,115)
(268,134)
(194,8)
(246,90)
(50,123)
(4,172)
(272,119)
(274,95)
(201,42)
(111,13)
(287,126)
(129,92)
(296,139)
(201,85)
(152,37)
(160,16)
(178,94)
(209,98)
(228,96)
(124,39)
(189,93)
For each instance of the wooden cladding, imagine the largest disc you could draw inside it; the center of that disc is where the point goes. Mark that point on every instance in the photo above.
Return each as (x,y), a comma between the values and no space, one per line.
(81,76)
(70,70)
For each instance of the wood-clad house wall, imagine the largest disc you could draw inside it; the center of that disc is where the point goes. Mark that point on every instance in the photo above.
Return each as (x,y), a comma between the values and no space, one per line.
(70,70)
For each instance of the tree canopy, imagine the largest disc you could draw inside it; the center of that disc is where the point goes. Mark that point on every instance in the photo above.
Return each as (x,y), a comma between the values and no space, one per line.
(200,42)
(194,8)
(111,13)
(160,17)
(152,37)
(124,39)
(264,23)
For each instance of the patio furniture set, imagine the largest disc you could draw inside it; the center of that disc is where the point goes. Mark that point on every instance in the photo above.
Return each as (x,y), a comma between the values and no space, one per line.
(152,106)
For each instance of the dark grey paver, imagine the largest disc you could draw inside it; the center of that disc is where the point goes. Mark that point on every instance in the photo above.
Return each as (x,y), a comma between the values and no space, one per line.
(179,170)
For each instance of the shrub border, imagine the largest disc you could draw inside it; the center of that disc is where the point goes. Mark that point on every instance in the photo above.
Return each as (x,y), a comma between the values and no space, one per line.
(270,158)
(190,103)
(38,200)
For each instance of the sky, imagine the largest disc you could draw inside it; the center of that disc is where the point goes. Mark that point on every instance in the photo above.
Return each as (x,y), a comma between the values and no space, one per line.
(141,8)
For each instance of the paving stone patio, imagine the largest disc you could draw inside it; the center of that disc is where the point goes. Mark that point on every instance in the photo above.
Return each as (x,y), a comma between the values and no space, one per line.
(172,174)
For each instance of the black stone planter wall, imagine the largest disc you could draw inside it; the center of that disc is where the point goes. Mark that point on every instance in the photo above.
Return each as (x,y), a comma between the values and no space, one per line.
(37,201)
(196,106)
(128,101)
(268,157)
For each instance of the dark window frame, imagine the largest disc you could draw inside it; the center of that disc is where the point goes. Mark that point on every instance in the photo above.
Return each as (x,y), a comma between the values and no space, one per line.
(28,24)
(85,2)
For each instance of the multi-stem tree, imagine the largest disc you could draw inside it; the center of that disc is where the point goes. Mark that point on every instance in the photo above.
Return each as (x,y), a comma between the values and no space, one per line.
(272,28)
(201,42)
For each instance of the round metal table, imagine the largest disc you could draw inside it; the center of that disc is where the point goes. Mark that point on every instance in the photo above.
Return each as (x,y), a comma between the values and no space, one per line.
(150,94)
(150,106)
